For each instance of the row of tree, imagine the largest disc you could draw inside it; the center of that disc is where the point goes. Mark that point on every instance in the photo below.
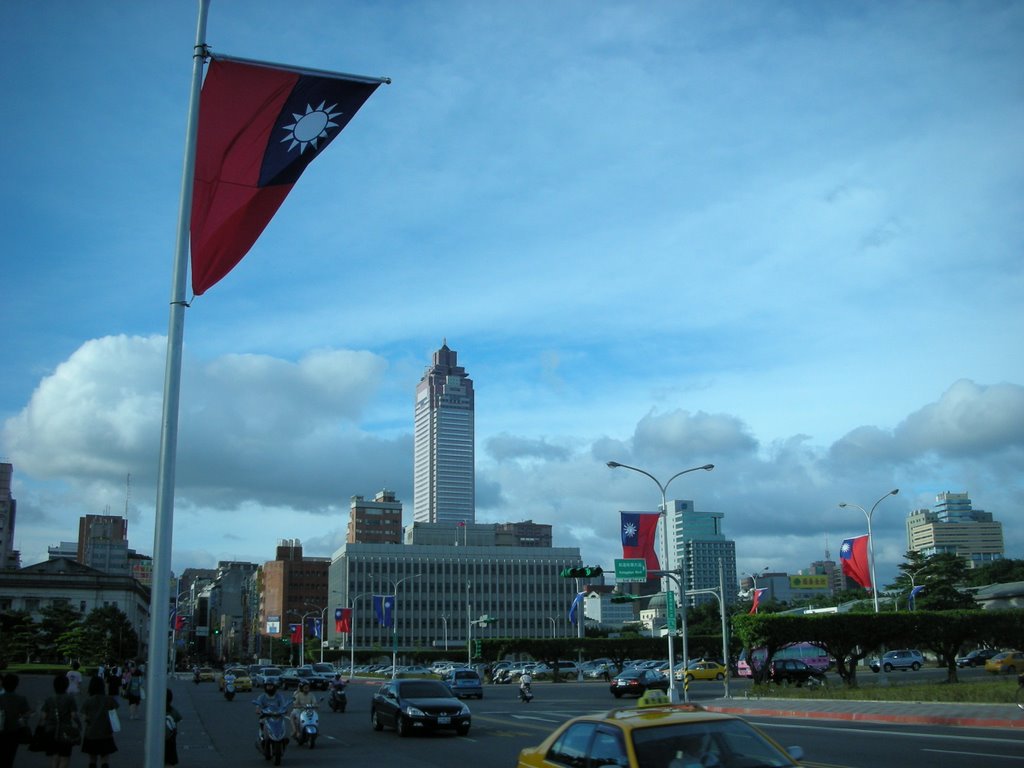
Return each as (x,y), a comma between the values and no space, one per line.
(63,634)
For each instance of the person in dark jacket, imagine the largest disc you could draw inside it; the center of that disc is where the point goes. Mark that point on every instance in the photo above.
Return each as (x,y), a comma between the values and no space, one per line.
(15,711)
(99,735)
(60,714)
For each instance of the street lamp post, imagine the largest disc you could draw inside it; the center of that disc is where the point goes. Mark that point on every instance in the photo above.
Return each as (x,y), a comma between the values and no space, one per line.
(352,632)
(673,697)
(871,540)
(552,626)
(394,619)
(323,628)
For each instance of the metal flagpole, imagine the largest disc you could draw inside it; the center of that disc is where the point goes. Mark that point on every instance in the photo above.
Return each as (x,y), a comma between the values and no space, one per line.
(156,667)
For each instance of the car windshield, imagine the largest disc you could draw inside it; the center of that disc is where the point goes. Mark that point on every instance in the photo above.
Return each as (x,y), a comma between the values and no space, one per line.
(718,743)
(424,689)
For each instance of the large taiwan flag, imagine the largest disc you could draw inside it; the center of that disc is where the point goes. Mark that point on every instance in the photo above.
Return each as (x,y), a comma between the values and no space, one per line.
(638,533)
(853,556)
(260,125)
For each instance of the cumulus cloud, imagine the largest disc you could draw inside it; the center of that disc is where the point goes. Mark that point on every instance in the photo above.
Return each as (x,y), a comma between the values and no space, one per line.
(505,447)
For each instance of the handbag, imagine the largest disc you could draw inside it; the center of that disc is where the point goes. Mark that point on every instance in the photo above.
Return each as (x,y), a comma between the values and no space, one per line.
(115,721)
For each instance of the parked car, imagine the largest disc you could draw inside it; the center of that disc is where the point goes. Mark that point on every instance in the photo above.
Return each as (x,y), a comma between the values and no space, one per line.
(411,705)
(658,736)
(1005,663)
(787,671)
(902,660)
(976,658)
(464,683)
(636,682)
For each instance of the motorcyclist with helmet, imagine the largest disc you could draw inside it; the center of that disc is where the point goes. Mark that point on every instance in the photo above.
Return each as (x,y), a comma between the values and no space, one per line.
(338,699)
(302,698)
(271,698)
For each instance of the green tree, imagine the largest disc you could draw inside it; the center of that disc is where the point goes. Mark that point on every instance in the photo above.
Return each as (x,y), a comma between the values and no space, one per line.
(17,636)
(942,578)
(118,639)
(55,620)
(996,572)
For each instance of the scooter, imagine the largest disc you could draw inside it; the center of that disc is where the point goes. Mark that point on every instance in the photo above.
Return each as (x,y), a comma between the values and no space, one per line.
(195,677)
(271,738)
(525,693)
(309,726)
(229,689)
(338,699)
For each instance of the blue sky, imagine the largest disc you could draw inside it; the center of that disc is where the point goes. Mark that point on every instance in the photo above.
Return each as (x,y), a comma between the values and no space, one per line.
(783,238)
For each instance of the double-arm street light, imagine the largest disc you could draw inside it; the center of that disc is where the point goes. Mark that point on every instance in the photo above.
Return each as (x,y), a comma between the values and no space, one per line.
(323,628)
(352,633)
(673,697)
(394,621)
(871,539)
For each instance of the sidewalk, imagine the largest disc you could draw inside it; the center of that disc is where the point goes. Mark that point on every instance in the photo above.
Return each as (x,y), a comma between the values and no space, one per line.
(913,713)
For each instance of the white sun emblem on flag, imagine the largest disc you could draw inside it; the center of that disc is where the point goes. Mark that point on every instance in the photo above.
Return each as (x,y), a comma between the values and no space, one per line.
(309,128)
(629,530)
(845,548)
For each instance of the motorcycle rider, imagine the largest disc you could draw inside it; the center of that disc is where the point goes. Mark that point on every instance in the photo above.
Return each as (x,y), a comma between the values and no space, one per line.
(271,698)
(338,689)
(229,684)
(302,697)
(525,681)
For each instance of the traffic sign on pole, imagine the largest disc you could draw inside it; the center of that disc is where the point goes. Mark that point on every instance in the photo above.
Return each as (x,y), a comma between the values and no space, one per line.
(630,569)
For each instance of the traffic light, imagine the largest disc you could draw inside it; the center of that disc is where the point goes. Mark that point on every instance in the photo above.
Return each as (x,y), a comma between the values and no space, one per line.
(622,597)
(585,572)
(478,648)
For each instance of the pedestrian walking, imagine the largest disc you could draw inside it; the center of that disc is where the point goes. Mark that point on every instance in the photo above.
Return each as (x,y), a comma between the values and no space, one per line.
(14,711)
(61,722)
(99,732)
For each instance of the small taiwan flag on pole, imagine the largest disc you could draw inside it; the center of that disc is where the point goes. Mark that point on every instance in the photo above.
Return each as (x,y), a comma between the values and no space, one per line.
(260,125)
(853,556)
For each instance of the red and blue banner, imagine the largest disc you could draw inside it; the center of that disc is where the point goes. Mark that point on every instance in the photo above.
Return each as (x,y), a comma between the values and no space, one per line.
(260,125)
(343,620)
(639,530)
(853,557)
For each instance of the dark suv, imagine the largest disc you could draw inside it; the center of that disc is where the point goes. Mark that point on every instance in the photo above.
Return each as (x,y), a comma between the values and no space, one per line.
(786,671)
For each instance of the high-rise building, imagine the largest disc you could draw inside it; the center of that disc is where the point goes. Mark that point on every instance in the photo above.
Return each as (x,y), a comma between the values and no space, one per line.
(375,522)
(443,463)
(291,584)
(698,536)
(103,543)
(955,527)
(9,558)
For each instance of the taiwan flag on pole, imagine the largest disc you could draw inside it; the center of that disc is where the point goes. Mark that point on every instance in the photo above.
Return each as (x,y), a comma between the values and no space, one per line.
(757,599)
(638,532)
(296,633)
(343,620)
(853,556)
(260,125)
(382,607)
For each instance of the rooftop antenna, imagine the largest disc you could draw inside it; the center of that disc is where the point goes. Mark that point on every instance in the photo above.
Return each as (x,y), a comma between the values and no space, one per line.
(827,555)
(127,493)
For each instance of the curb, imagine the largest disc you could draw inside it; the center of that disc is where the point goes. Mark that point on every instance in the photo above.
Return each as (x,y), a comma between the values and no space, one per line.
(875,717)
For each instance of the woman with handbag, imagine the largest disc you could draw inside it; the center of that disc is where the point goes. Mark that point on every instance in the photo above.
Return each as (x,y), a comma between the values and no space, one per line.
(99,710)
(60,719)
(14,711)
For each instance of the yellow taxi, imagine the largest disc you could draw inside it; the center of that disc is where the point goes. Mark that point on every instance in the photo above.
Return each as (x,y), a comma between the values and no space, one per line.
(207,675)
(243,682)
(662,734)
(703,670)
(1006,663)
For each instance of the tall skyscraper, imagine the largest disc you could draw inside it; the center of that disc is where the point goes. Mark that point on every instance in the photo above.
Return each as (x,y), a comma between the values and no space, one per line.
(443,459)
(698,537)
(955,527)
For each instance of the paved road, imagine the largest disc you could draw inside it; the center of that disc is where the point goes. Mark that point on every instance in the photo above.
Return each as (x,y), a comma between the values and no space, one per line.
(218,733)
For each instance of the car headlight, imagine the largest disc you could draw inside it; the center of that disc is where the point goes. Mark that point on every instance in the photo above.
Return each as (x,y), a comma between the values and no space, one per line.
(414,712)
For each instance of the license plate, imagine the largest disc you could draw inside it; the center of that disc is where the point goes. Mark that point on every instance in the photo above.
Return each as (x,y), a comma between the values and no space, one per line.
(443,720)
